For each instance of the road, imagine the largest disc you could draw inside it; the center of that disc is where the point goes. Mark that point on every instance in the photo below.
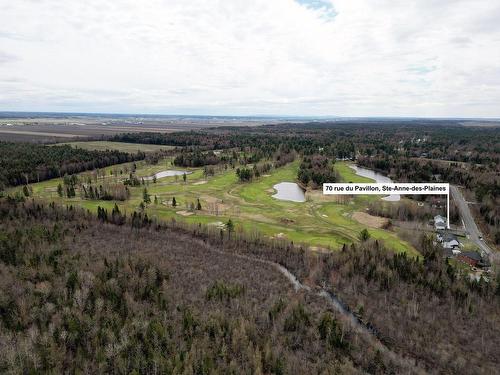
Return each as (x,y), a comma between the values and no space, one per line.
(470,225)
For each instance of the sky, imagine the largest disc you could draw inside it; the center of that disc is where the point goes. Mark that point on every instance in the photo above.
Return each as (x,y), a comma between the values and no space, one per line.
(423,58)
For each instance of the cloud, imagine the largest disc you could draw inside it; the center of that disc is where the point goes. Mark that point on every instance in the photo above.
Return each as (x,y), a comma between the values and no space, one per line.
(7,58)
(294,57)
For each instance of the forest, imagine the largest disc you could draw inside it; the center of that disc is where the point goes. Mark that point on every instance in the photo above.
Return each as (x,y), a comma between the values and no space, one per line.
(80,295)
(315,170)
(442,140)
(24,163)
(87,294)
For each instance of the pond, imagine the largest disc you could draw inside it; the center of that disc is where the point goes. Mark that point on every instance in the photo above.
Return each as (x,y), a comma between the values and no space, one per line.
(289,191)
(168,173)
(378,177)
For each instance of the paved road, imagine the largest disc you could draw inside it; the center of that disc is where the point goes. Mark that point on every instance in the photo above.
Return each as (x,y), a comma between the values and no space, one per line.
(470,225)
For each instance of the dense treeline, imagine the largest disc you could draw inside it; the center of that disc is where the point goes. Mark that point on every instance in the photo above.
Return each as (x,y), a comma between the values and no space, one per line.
(425,307)
(265,139)
(75,289)
(439,140)
(248,174)
(284,156)
(447,140)
(23,163)
(315,170)
(106,192)
(409,210)
(196,159)
(82,295)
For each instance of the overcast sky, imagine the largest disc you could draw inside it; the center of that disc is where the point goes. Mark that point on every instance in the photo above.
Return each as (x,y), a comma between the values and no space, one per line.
(247,57)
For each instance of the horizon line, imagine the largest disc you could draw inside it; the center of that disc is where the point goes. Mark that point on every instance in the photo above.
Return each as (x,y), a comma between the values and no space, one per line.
(256,116)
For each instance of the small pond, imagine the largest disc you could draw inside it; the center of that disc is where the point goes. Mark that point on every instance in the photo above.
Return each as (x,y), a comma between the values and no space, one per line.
(168,173)
(289,191)
(378,177)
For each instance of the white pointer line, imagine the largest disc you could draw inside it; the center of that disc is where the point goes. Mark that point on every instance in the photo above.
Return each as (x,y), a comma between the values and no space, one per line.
(390,188)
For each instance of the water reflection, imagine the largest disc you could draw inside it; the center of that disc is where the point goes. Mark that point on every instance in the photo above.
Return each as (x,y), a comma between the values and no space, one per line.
(289,191)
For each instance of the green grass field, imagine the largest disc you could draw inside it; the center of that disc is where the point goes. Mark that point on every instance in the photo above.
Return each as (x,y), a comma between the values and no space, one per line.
(348,175)
(318,222)
(120,146)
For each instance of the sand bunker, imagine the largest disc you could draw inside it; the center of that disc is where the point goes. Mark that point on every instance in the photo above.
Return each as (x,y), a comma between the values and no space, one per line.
(218,224)
(184,213)
(369,220)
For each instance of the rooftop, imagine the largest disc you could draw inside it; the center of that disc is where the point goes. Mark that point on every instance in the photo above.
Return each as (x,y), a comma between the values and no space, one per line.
(439,218)
(447,237)
(472,255)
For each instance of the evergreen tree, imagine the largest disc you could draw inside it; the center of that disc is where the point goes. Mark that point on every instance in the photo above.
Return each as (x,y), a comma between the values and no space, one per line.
(102,214)
(364,235)
(136,220)
(230,227)
(116,216)
(60,191)
(145,196)
(174,202)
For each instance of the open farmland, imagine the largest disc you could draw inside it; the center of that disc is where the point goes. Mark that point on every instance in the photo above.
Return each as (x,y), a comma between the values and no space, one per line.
(58,127)
(119,146)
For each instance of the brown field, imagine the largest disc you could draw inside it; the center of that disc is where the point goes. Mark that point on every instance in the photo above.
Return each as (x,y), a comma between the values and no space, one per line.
(36,133)
(59,132)
(369,220)
(41,128)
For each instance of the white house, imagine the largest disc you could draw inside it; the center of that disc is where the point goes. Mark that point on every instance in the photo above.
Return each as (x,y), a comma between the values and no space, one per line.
(450,241)
(439,222)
